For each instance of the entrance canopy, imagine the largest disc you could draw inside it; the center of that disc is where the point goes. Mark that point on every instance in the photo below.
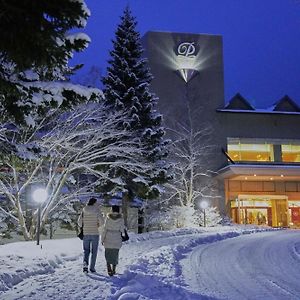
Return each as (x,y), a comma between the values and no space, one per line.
(261,197)
(260,172)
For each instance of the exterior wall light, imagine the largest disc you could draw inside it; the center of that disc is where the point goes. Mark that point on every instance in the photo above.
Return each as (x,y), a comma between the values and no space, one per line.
(186,60)
(187,74)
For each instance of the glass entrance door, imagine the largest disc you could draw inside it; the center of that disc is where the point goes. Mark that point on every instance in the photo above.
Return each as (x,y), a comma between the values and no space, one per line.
(280,211)
(271,210)
(257,216)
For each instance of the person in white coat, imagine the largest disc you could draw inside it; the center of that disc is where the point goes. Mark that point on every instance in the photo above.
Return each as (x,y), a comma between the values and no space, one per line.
(91,219)
(111,238)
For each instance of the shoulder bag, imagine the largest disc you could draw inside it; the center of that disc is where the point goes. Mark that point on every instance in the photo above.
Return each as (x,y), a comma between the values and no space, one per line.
(80,234)
(124,237)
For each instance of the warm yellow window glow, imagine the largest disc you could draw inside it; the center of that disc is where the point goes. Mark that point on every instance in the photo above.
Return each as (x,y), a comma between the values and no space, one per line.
(251,203)
(294,203)
(290,153)
(250,152)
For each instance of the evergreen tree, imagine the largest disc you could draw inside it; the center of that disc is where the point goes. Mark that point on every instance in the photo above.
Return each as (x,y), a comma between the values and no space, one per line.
(126,86)
(33,32)
(36,46)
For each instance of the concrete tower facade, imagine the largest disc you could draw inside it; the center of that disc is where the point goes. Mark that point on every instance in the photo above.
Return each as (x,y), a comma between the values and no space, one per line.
(254,154)
(189,81)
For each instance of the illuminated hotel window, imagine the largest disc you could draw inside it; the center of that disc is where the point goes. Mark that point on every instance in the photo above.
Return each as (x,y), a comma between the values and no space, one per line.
(245,151)
(290,153)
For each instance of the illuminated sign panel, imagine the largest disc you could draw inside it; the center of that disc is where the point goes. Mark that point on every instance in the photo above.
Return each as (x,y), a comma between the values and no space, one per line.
(186,49)
(186,54)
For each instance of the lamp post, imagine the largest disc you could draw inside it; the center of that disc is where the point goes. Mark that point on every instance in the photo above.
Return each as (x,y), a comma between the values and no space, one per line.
(39,195)
(204,205)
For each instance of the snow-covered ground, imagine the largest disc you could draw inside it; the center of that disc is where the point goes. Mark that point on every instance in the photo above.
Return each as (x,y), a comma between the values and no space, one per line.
(234,262)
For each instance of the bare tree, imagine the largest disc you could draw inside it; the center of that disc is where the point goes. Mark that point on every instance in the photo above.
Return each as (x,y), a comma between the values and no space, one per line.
(190,153)
(192,181)
(69,154)
(192,150)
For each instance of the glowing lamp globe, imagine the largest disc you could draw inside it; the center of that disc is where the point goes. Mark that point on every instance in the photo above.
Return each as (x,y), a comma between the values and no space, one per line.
(40,195)
(204,204)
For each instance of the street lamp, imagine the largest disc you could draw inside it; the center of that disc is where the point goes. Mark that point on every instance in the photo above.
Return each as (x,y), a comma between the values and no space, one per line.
(39,195)
(204,205)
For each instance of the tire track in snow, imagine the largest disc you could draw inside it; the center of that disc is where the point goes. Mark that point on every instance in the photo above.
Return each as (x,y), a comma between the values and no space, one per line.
(68,282)
(259,266)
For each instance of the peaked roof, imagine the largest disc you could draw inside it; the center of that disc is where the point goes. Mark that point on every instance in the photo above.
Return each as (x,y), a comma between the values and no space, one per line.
(239,102)
(286,104)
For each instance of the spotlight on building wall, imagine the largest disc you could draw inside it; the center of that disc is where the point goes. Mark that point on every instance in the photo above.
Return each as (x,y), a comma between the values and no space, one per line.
(187,74)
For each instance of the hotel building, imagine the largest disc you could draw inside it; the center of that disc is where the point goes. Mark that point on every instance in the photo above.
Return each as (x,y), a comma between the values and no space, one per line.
(257,151)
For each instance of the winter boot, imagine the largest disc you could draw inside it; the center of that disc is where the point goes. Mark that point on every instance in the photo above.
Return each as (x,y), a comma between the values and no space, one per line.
(109,270)
(114,269)
(85,267)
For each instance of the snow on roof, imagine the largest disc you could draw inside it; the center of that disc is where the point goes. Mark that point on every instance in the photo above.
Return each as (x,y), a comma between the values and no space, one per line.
(238,104)
(116,199)
(259,111)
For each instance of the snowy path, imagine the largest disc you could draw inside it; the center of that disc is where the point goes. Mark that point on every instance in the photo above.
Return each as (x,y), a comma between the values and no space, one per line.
(67,281)
(256,266)
(215,263)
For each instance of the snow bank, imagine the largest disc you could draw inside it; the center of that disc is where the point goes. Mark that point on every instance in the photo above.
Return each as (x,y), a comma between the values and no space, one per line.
(236,229)
(150,262)
(158,274)
(25,259)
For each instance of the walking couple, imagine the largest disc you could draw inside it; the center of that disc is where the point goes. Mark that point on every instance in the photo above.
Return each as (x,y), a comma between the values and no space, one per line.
(91,219)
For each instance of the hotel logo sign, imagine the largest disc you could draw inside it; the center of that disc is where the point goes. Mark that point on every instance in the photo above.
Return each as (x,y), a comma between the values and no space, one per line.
(186,49)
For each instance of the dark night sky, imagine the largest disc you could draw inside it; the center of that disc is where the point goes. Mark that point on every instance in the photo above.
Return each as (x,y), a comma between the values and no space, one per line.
(261,39)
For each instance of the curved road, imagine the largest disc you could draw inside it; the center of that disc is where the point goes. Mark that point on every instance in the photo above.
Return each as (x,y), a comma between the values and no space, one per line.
(253,266)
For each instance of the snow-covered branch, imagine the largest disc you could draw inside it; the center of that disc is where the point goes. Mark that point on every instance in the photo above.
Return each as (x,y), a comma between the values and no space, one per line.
(72,151)
(191,150)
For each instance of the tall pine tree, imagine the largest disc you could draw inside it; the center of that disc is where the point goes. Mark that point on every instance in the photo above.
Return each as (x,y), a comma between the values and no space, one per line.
(33,32)
(36,46)
(126,87)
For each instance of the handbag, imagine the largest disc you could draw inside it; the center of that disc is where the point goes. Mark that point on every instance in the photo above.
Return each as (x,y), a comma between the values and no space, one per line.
(125,237)
(80,234)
